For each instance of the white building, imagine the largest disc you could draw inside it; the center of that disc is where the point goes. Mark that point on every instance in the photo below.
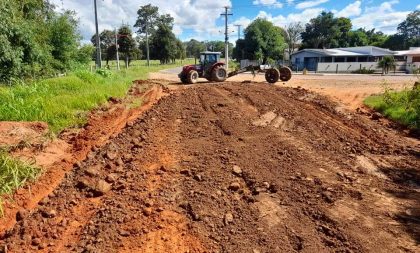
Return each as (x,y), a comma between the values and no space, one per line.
(346,60)
(413,58)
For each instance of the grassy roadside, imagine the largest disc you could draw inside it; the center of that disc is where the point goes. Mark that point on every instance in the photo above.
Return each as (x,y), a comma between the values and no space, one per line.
(403,106)
(13,175)
(61,102)
(64,102)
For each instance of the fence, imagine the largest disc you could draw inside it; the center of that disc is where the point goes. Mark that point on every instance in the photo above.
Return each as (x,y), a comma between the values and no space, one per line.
(349,67)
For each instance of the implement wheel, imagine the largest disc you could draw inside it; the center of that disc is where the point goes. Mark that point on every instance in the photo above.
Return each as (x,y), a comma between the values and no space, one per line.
(219,74)
(272,75)
(285,74)
(192,77)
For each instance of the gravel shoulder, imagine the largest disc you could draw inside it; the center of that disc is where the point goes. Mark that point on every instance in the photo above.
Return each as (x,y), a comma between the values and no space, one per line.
(235,168)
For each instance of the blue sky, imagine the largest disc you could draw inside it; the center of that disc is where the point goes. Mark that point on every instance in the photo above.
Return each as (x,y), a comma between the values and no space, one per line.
(200,19)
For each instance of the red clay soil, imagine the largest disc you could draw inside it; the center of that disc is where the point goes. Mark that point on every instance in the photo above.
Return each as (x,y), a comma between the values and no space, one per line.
(59,156)
(16,133)
(235,168)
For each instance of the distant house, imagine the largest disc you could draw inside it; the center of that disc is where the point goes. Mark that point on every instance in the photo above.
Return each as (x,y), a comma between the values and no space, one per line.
(412,58)
(339,60)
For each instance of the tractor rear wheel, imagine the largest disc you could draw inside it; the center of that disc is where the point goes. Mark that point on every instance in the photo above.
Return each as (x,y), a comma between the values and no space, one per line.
(272,75)
(285,74)
(219,74)
(192,77)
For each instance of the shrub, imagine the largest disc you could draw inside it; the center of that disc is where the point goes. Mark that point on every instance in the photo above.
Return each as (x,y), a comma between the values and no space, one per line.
(104,72)
(363,71)
(403,106)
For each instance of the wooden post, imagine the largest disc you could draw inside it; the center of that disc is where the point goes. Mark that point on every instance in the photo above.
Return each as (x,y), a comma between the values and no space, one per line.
(336,69)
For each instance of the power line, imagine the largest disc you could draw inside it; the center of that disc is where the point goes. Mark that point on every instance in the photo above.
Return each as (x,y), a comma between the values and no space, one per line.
(226,15)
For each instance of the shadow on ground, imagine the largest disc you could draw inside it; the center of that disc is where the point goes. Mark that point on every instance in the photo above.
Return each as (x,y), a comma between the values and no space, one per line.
(408,181)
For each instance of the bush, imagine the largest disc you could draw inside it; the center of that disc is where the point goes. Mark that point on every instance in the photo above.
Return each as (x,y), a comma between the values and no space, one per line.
(403,106)
(363,71)
(86,76)
(84,54)
(35,40)
(104,72)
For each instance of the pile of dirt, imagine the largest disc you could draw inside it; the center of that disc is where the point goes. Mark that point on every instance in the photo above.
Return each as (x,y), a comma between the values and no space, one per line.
(235,168)
(57,156)
(20,133)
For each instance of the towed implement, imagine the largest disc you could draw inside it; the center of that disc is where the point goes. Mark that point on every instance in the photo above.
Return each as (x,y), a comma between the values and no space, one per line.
(212,69)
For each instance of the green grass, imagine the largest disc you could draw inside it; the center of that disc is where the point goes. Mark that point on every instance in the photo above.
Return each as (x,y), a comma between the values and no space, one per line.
(13,175)
(403,106)
(65,101)
(62,102)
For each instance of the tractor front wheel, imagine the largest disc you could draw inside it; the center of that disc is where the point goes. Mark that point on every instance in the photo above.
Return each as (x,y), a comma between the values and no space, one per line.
(272,75)
(192,77)
(285,74)
(184,80)
(219,74)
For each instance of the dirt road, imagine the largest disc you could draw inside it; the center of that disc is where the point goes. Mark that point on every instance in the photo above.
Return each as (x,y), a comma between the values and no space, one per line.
(348,90)
(235,168)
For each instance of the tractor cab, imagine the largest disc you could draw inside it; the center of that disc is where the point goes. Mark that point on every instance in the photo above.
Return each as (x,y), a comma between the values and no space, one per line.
(207,58)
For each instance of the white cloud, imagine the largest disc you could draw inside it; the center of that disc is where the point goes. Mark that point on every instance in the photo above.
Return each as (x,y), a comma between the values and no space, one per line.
(310,4)
(383,18)
(270,3)
(351,10)
(196,15)
(418,7)
(281,20)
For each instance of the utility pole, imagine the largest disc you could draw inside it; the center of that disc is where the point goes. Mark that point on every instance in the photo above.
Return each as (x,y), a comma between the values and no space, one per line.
(147,42)
(239,31)
(98,40)
(117,48)
(226,15)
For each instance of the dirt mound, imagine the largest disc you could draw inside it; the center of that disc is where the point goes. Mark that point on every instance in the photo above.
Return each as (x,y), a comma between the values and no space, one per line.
(59,155)
(235,168)
(16,133)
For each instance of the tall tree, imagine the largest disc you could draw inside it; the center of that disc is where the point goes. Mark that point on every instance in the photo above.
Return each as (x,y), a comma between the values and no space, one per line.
(357,38)
(194,48)
(344,27)
(35,40)
(326,31)
(239,50)
(264,41)
(64,39)
(107,38)
(127,44)
(292,36)
(164,43)
(321,32)
(410,30)
(147,16)
(180,50)
(218,46)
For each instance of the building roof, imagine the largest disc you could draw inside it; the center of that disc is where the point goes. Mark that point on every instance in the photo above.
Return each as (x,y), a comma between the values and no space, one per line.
(350,51)
(413,51)
(209,52)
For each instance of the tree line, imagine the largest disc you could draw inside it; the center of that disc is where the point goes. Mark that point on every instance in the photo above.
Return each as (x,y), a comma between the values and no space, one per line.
(163,44)
(264,41)
(36,41)
(327,31)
